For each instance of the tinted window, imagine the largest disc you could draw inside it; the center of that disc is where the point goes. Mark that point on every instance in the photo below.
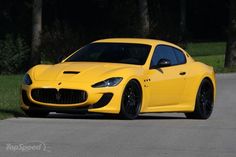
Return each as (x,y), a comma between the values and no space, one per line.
(112,52)
(163,52)
(180,56)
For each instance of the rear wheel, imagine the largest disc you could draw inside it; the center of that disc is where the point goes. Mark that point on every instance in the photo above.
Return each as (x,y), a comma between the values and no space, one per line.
(131,100)
(204,101)
(36,114)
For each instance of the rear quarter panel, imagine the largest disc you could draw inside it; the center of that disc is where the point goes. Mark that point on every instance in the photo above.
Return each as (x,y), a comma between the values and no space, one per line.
(196,72)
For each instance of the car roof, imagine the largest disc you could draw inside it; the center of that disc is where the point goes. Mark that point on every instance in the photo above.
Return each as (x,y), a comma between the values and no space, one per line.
(152,42)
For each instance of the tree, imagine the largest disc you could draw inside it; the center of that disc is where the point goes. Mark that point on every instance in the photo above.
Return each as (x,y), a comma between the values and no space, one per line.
(230,54)
(182,19)
(36,32)
(144,17)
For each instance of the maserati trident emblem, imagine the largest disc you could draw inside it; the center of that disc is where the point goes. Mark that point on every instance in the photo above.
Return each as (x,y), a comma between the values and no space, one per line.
(58,96)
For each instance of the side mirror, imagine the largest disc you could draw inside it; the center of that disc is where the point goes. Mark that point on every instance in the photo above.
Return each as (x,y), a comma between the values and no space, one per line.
(162,63)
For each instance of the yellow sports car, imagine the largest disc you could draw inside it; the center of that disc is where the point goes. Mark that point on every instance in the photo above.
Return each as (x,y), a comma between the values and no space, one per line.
(123,76)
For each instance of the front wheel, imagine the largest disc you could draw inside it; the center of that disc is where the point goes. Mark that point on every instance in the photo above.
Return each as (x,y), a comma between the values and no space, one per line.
(131,100)
(204,101)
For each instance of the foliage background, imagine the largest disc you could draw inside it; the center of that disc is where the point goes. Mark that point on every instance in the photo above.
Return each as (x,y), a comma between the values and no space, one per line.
(67,25)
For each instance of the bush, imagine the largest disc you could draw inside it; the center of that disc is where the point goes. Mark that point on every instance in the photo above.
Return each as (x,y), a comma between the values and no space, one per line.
(14,55)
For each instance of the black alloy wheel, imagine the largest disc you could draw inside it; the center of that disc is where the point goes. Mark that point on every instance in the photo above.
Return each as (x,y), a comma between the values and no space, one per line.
(204,101)
(131,100)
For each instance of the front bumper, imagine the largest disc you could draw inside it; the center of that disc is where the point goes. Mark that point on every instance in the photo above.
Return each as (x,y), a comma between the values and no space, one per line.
(100,100)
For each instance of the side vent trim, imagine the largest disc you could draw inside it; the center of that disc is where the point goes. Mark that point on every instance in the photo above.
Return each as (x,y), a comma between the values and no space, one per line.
(71,72)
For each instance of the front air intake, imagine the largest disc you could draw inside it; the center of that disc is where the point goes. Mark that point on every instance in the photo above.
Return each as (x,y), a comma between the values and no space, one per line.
(62,96)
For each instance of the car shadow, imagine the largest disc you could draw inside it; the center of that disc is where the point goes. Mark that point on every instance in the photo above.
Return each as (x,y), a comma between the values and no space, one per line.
(150,117)
(111,117)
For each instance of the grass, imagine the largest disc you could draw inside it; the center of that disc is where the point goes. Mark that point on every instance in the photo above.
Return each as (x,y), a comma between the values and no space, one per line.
(217,61)
(211,53)
(9,96)
(206,49)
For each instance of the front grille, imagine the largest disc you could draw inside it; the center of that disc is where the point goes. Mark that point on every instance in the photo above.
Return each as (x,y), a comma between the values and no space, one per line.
(63,96)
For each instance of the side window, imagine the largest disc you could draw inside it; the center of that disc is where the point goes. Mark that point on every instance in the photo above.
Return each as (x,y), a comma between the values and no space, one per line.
(163,52)
(180,56)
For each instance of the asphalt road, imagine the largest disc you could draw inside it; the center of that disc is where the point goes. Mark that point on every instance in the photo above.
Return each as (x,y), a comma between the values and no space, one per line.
(157,135)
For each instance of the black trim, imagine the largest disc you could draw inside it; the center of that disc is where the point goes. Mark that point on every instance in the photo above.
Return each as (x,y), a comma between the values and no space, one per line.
(61,96)
(182,73)
(59,110)
(25,98)
(34,106)
(103,101)
(71,72)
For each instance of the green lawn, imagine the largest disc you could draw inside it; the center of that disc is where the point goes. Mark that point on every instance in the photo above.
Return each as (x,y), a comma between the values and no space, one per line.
(206,49)
(217,61)
(211,53)
(9,96)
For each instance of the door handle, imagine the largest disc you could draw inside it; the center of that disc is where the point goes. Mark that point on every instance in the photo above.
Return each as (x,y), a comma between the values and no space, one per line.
(182,73)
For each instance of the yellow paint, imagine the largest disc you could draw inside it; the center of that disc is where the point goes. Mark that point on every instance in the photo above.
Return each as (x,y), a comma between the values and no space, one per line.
(164,90)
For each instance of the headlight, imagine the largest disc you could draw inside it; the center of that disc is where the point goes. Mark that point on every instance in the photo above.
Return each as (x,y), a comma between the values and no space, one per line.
(27,80)
(111,82)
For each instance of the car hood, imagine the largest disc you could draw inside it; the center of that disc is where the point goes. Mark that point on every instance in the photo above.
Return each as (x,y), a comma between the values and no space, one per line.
(80,71)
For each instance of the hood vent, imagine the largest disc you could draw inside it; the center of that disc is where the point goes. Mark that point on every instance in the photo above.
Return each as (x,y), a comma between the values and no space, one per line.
(71,72)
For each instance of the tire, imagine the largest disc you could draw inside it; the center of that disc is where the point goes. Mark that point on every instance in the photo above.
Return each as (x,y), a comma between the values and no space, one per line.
(131,100)
(36,114)
(204,101)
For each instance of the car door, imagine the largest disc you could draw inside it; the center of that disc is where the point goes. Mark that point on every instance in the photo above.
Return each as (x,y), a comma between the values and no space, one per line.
(166,83)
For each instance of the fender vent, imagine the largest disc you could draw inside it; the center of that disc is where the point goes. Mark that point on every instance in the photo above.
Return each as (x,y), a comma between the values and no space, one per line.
(71,72)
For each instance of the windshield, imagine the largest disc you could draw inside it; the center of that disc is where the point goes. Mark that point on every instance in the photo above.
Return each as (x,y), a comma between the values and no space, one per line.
(112,52)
